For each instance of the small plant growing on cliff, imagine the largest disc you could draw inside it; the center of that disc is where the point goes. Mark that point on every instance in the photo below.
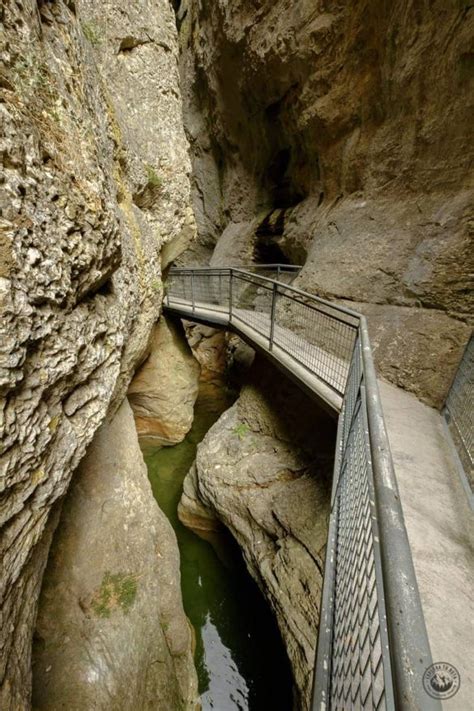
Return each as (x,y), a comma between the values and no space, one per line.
(153,178)
(150,192)
(156,285)
(241,430)
(117,590)
(91,32)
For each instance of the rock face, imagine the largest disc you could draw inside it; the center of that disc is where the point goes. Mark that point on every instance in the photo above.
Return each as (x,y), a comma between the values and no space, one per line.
(111,629)
(94,184)
(164,390)
(209,346)
(337,135)
(263,470)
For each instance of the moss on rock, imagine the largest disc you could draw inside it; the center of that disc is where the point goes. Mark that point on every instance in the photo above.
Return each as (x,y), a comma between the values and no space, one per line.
(117,591)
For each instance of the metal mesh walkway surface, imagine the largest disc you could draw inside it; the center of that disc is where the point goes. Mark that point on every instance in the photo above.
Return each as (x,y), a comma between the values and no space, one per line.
(372,645)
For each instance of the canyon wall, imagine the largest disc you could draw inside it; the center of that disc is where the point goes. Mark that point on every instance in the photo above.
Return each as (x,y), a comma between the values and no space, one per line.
(335,135)
(94,197)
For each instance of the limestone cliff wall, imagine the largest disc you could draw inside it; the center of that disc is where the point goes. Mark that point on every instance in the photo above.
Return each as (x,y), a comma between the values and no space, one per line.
(339,135)
(94,195)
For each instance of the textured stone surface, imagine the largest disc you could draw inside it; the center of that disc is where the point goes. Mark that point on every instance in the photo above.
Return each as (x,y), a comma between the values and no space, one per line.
(111,630)
(339,135)
(263,470)
(94,183)
(209,346)
(164,390)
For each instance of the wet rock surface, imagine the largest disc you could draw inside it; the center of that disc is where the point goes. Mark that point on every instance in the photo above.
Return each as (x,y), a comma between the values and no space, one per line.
(111,630)
(164,390)
(338,137)
(263,470)
(80,258)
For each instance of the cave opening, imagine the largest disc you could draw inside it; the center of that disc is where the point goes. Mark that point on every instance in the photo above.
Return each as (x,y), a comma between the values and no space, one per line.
(284,190)
(268,236)
(268,252)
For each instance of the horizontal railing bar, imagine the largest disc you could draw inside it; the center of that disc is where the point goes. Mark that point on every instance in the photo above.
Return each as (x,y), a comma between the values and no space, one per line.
(184,271)
(281,267)
(312,297)
(251,278)
(319,310)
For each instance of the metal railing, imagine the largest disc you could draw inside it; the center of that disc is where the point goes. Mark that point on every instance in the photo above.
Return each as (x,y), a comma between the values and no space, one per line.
(372,645)
(459,411)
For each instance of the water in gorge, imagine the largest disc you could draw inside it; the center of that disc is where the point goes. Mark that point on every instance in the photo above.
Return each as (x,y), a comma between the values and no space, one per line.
(240,658)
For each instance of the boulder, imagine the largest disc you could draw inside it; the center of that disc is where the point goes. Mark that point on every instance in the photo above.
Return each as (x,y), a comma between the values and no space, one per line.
(111,631)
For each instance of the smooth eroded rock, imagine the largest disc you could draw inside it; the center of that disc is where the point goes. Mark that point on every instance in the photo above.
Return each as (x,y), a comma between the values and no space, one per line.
(339,136)
(111,630)
(164,390)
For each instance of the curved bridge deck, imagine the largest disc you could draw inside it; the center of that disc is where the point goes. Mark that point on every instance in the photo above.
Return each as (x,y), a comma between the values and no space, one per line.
(373,646)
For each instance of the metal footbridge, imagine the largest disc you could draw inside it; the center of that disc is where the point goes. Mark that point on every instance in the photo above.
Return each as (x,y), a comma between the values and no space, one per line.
(372,645)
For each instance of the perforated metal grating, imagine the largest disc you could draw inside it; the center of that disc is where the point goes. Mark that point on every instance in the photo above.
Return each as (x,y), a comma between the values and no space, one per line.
(460,410)
(360,658)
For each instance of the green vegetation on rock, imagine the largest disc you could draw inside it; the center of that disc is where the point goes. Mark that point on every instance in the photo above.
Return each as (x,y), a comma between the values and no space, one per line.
(92,33)
(153,178)
(241,429)
(117,590)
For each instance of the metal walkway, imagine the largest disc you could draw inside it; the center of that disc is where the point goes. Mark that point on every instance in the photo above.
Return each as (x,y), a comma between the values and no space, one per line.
(372,645)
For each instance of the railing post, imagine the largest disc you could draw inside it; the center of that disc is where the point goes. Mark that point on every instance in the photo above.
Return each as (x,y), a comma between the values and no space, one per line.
(278,272)
(230,293)
(272,317)
(193,301)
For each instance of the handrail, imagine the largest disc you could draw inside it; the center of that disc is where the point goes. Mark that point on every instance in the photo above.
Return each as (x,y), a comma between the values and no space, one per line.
(370,545)
(282,267)
(300,292)
(405,620)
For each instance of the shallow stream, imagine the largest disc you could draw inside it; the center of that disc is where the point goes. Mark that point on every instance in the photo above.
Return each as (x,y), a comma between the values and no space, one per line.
(240,658)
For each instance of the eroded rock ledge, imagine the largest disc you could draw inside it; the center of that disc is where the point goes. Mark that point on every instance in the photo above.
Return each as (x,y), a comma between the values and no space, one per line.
(263,470)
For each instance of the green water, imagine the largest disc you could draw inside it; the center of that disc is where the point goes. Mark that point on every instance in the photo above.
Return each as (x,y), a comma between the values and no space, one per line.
(240,658)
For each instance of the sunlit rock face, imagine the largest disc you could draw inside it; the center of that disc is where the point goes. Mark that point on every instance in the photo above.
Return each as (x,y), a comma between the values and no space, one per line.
(335,135)
(165,388)
(94,187)
(111,630)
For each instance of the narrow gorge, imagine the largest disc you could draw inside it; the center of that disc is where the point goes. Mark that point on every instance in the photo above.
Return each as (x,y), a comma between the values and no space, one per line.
(165,488)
